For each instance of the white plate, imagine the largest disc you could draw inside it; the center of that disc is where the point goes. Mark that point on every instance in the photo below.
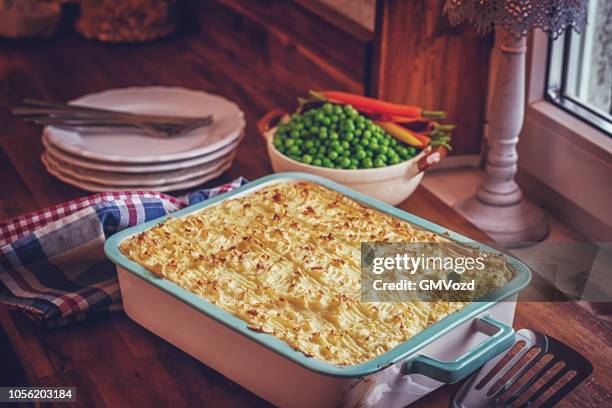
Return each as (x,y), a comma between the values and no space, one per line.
(130,179)
(97,187)
(138,168)
(130,146)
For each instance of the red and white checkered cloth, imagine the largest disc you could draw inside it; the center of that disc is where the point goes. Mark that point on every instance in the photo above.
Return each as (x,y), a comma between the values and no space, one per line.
(16,228)
(52,263)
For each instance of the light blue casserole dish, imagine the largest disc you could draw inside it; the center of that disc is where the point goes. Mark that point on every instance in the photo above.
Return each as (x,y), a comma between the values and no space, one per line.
(445,352)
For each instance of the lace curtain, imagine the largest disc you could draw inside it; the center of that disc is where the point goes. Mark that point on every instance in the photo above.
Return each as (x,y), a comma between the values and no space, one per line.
(518,17)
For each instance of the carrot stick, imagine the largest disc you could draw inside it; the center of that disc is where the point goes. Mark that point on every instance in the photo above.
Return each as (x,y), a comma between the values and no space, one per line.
(371,105)
(405,135)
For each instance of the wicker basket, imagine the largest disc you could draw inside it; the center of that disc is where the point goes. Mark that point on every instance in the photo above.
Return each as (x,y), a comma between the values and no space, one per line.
(127,20)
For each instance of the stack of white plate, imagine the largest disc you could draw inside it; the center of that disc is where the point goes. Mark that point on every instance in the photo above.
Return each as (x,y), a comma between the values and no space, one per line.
(105,159)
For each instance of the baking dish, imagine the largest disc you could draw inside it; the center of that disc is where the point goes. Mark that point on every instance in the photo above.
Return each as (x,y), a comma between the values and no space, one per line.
(447,351)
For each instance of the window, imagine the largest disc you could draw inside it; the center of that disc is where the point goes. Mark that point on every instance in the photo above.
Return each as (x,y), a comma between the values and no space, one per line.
(579,76)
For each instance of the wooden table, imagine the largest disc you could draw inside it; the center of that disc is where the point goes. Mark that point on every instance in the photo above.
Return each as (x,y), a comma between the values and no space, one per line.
(114,361)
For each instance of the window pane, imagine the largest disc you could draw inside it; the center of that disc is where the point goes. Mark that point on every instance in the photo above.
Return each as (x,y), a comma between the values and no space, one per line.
(589,63)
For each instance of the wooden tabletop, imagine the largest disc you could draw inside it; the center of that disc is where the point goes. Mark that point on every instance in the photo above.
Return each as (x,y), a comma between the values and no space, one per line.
(115,362)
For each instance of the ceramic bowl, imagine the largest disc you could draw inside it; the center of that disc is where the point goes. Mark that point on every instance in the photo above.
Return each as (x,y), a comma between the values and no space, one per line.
(391,184)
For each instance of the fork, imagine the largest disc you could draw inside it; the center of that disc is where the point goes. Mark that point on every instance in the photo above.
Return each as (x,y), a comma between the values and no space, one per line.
(64,115)
(35,106)
(155,129)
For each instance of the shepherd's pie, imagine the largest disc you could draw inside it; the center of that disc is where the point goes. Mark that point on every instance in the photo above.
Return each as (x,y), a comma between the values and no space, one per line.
(286,259)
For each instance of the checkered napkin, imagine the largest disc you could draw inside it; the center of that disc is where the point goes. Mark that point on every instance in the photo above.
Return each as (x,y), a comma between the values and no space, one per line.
(52,263)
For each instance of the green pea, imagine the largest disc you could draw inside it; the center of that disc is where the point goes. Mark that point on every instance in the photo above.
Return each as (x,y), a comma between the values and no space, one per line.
(334,136)
(294,149)
(348,136)
(346,145)
(374,146)
(394,160)
(383,149)
(360,154)
(367,133)
(307,158)
(333,155)
(379,163)
(319,116)
(346,153)
(326,121)
(328,107)
(358,132)
(345,162)
(381,157)
(353,167)
(365,142)
(367,163)
(338,149)
(385,141)
(309,144)
(317,162)
(289,142)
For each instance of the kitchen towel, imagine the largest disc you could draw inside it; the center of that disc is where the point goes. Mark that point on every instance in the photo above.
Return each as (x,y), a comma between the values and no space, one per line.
(52,262)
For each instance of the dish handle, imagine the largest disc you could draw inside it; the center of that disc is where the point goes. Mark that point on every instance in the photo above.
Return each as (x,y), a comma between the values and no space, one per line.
(268,121)
(431,158)
(501,338)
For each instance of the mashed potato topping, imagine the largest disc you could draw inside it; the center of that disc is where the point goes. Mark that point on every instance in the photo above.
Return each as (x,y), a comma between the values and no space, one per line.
(286,259)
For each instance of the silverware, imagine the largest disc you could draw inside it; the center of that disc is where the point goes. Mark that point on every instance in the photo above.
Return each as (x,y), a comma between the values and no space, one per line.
(64,115)
(34,106)
(158,130)
(537,371)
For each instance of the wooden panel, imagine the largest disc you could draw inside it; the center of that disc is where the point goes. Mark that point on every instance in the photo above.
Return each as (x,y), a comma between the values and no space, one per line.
(420,59)
(298,45)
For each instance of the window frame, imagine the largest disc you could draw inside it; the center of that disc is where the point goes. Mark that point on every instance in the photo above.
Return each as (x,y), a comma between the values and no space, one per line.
(559,122)
(570,158)
(555,92)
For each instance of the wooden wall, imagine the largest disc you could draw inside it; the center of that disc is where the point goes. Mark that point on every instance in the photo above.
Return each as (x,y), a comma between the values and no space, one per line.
(289,46)
(414,56)
(419,58)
